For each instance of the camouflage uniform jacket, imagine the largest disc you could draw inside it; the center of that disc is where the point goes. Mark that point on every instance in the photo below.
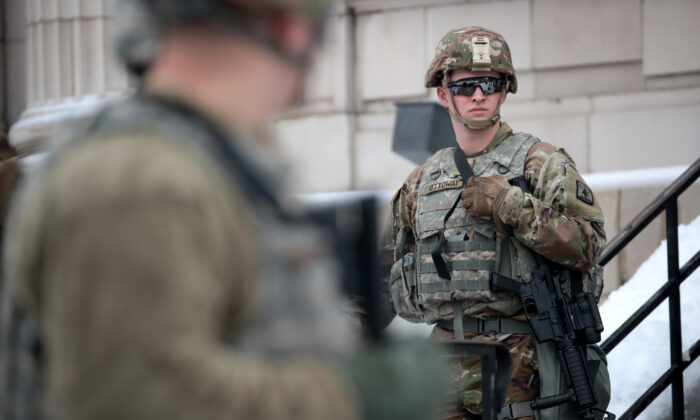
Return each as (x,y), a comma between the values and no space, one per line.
(142,265)
(560,219)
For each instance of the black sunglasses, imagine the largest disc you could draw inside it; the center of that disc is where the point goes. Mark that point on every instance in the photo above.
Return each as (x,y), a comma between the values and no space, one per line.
(466,87)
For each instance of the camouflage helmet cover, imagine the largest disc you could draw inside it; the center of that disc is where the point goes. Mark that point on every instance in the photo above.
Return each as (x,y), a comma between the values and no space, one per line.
(455,51)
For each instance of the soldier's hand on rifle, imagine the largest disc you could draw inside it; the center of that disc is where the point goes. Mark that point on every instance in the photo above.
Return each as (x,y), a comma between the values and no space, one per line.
(484,195)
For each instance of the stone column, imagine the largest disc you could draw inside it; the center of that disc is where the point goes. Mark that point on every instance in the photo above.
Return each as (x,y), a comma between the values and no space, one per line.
(70,66)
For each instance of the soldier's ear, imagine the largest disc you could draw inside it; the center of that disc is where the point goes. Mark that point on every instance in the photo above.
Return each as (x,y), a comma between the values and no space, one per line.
(503,97)
(442,96)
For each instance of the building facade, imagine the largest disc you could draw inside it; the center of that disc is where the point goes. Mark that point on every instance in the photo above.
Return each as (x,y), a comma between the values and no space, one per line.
(616,83)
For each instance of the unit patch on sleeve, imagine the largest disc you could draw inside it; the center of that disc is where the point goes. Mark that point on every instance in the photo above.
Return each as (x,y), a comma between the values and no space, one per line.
(444,185)
(584,193)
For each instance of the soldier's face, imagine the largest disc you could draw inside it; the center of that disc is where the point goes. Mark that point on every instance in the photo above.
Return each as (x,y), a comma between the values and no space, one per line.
(477,106)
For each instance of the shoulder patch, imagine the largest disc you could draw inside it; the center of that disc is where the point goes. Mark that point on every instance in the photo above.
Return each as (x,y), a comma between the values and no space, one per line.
(584,193)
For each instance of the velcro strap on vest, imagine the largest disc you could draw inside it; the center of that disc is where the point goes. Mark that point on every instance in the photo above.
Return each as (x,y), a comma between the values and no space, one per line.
(461,246)
(490,326)
(487,265)
(516,411)
(450,285)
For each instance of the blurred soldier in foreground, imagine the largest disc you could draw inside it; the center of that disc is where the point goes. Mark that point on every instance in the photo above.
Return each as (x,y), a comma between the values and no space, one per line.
(152,249)
(448,235)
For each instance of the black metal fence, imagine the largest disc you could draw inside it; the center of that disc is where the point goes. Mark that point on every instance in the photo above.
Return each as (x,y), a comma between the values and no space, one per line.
(667,201)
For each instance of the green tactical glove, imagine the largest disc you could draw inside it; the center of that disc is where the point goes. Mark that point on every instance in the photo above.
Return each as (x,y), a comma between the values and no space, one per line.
(402,381)
(483,196)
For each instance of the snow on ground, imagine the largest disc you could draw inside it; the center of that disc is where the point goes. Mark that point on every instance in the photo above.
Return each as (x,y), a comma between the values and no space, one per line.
(643,355)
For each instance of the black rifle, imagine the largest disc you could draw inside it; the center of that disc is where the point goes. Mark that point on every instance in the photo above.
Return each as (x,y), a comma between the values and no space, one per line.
(570,325)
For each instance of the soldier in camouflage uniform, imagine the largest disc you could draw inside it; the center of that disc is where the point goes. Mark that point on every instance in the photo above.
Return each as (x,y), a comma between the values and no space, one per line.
(155,254)
(496,228)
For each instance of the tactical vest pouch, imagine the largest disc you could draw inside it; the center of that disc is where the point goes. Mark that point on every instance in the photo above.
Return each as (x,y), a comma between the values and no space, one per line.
(403,288)
(470,255)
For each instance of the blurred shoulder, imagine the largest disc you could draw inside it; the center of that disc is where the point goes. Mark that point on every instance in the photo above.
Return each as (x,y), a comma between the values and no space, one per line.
(121,165)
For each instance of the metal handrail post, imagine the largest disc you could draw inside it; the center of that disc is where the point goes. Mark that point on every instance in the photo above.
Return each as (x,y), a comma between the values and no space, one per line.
(674,308)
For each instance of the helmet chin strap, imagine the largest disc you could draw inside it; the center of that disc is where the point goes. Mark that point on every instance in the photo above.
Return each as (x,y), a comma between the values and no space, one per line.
(469,124)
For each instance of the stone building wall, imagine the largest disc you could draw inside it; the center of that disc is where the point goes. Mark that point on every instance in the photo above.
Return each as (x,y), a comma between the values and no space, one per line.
(616,83)
(12,68)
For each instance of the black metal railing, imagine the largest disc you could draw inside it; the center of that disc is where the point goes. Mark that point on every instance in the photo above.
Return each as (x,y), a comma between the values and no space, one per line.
(667,201)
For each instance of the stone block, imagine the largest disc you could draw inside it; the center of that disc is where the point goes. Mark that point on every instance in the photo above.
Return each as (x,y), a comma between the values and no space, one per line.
(644,138)
(546,107)
(116,75)
(92,8)
(609,202)
(91,48)
(688,204)
(588,80)
(636,252)
(391,54)
(319,151)
(328,65)
(67,69)
(526,87)
(363,6)
(376,121)
(35,38)
(656,99)
(52,55)
(70,9)
(111,7)
(376,166)
(49,9)
(33,10)
(573,33)
(673,81)
(320,80)
(670,36)
(15,15)
(567,131)
(344,70)
(16,80)
(509,18)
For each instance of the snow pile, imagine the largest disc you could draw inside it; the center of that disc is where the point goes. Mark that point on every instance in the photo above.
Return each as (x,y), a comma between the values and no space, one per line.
(643,356)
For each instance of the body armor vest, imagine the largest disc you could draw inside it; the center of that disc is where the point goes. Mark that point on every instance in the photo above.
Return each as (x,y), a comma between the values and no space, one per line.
(298,297)
(473,249)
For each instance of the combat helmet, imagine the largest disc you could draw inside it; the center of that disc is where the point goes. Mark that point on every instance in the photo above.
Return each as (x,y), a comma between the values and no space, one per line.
(475,49)
(141,23)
